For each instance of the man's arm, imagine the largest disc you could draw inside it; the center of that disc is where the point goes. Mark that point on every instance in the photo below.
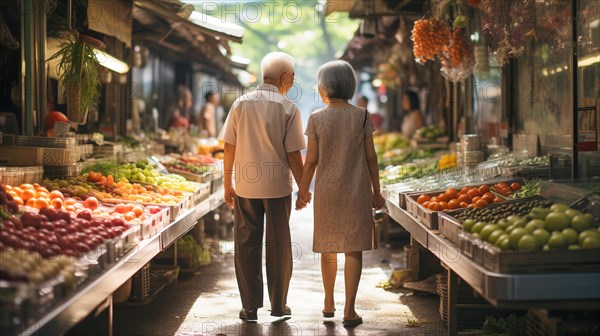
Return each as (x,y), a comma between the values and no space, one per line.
(228,160)
(294,160)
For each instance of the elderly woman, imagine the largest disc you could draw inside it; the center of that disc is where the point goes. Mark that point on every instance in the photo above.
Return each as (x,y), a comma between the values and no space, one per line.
(341,150)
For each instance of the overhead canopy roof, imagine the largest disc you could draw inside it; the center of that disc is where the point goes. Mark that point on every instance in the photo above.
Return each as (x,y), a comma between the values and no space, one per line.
(373,8)
(165,25)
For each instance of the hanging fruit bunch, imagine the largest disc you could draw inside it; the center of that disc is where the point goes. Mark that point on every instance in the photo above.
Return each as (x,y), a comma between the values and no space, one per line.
(429,37)
(508,23)
(458,57)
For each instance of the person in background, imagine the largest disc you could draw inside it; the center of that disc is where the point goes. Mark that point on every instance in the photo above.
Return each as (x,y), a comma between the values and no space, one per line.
(207,118)
(181,114)
(413,119)
(341,150)
(263,139)
(376,118)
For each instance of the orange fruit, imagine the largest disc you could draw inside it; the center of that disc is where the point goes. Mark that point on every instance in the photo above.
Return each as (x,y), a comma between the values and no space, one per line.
(18,200)
(475,199)
(128,216)
(426,204)
(453,204)
(464,204)
(138,211)
(13,193)
(91,203)
(452,193)
(464,198)
(481,204)
(120,208)
(435,206)
(484,188)
(488,198)
(41,203)
(40,188)
(444,205)
(17,190)
(473,192)
(27,194)
(56,194)
(70,201)
(443,197)
(128,207)
(423,198)
(41,194)
(30,202)
(465,190)
(498,200)
(56,202)
(26,186)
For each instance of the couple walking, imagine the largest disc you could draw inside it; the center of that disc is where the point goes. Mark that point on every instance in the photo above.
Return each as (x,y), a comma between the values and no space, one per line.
(263,139)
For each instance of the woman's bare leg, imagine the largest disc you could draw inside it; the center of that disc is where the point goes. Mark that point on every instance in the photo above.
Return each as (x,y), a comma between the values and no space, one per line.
(352,273)
(328,272)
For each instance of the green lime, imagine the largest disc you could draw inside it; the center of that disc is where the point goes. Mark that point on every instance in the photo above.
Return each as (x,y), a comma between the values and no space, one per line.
(520,223)
(557,221)
(504,223)
(588,233)
(512,218)
(505,244)
(571,235)
(572,213)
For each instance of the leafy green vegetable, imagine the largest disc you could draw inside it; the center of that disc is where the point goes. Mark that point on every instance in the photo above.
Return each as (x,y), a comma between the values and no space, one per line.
(513,325)
(529,188)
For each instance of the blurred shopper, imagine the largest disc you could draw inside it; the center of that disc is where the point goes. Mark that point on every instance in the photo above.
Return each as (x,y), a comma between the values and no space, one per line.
(413,119)
(181,114)
(376,118)
(341,150)
(263,138)
(207,121)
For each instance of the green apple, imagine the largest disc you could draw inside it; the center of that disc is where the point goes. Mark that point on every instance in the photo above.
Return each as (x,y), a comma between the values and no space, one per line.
(487,230)
(588,233)
(504,244)
(493,237)
(558,242)
(512,218)
(534,224)
(557,221)
(468,224)
(539,213)
(558,207)
(582,222)
(572,212)
(504,223)
(571,235)
(520,223)
(515,236)
(478,227)
(499,240)
(591,242)
(542,236)
(528,243)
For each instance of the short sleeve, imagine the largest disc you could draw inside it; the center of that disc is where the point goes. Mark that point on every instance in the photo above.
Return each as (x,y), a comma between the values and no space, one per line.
(310,129)
(294,139)
(369,128)
(229,131)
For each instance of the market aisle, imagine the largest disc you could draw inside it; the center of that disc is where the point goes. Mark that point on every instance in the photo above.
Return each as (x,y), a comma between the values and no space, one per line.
(208,303)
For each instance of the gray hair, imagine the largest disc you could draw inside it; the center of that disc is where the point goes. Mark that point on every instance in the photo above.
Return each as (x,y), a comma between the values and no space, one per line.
(276,63)
(337,79)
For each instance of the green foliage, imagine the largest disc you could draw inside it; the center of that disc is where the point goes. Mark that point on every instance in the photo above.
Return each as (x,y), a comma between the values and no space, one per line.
(513,325)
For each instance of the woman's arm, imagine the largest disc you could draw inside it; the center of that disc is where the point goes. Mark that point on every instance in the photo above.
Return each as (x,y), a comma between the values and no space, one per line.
(378,200)
(312,159)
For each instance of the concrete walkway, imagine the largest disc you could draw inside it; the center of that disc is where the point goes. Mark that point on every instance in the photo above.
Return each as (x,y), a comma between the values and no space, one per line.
(208,303)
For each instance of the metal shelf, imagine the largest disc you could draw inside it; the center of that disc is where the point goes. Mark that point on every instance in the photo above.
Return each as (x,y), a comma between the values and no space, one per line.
(95,291)
(502,290)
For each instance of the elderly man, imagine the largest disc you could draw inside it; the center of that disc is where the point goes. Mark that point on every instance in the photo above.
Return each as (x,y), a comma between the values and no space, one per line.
(263,138)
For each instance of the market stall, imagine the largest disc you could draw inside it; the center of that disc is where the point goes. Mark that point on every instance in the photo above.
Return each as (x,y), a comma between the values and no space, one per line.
(500,197)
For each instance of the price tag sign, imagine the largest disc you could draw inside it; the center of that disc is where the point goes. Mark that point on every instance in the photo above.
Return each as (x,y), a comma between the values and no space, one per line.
(587,129)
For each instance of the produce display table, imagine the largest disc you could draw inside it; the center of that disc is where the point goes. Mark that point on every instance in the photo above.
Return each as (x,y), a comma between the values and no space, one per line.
(511,291)
(98,290)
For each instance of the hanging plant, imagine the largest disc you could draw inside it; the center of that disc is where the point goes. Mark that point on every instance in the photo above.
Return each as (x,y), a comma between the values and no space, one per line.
(78,71)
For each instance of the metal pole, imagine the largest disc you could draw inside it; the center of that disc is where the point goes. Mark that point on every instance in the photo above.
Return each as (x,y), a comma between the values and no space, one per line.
(574,70)
(27,87)
(42,79)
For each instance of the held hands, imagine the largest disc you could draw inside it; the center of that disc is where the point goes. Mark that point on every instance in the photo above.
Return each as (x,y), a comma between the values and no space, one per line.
(301,202)
(230,196)
(378,200)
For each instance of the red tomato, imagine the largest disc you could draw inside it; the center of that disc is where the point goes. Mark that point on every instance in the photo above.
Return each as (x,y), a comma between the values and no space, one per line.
(515,186)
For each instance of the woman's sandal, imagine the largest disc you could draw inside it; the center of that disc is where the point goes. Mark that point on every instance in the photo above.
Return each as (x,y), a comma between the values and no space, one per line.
(352,323)
(329,314)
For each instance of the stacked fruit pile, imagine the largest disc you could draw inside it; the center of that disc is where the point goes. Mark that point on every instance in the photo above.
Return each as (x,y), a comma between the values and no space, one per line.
(533,225)
(467,197)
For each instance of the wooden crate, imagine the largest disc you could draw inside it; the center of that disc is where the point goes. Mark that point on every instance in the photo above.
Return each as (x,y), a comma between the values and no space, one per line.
(425,216)
(449,227)
(553,261)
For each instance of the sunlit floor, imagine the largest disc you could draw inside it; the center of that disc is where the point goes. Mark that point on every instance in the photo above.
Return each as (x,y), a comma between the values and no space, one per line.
(209,303)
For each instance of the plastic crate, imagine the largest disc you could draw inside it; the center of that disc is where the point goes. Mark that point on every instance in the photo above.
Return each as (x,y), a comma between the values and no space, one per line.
(140,285)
